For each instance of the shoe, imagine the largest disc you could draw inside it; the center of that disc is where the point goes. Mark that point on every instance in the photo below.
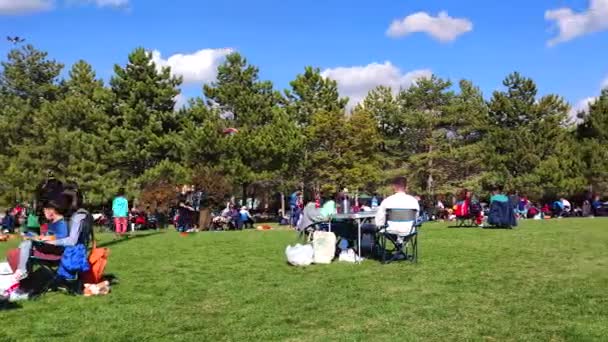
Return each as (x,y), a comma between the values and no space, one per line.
(17,296)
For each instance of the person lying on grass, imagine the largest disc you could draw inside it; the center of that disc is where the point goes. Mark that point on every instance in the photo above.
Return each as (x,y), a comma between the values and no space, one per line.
(49,242)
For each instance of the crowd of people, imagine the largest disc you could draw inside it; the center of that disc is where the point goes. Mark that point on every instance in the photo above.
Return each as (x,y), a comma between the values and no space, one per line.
(523,207)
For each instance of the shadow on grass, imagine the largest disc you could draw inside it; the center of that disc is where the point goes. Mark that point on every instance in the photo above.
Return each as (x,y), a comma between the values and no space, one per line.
(463,227)
(5,305)
(128,238)
(498,227)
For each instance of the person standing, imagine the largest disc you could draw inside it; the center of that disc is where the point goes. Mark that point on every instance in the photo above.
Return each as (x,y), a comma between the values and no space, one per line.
(294,208)
(184,220)
(120,211)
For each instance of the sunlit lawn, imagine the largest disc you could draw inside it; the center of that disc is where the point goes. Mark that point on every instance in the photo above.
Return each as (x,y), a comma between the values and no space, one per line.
(542,281)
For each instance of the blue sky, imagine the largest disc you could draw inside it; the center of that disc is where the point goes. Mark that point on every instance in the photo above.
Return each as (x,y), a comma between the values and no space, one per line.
(559,43)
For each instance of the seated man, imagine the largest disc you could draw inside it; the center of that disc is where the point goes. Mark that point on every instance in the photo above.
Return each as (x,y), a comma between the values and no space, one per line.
(400,200)
(50,242)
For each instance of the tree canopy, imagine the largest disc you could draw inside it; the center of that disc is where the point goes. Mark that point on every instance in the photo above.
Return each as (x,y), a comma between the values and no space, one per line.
(243,137)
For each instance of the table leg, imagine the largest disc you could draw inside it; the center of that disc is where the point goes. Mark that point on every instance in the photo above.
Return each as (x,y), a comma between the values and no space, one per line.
(359,237)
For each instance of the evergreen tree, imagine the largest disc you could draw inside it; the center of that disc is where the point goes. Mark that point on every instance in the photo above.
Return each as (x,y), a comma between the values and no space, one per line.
(310,92)
(362,171)
(388,114)
(592,135)
(528,143)
(69,138)
(426,129)
(267,141)
(326,138)
(145,125)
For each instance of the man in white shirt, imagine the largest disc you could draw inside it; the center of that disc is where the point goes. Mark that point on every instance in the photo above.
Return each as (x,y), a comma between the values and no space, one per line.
(400,200)
(566,204)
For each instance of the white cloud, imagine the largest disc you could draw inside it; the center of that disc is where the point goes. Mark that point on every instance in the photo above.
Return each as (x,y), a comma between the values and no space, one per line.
(583,105)
(102,3)
(355,82)
(443,27)
(571,25)
(580,106)
(180,101)
(111,3)
(12,7)
(198,67)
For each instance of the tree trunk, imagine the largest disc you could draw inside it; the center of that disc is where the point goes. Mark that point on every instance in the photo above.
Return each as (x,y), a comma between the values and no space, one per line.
(204,219)
(282,205)
(429,180)
(244,194)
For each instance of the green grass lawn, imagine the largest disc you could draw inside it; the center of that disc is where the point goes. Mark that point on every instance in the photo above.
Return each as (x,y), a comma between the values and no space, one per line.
(544,281)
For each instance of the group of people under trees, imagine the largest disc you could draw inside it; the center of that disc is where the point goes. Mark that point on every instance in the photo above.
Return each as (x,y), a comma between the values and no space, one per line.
(306,208)
(468,204)
(232,217)
(183,216)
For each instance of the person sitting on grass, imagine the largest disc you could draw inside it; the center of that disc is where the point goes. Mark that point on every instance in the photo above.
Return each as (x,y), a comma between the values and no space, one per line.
(8,222)
(47,243)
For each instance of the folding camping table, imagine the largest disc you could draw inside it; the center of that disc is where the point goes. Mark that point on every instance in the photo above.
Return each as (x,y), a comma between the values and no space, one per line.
(360,218)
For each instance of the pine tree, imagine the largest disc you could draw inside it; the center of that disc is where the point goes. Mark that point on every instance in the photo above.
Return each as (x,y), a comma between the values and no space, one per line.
(70,138)
(592,135)
(267,139)
(426,129)
(27,81)
(528,143)
(310,93)
(145,125)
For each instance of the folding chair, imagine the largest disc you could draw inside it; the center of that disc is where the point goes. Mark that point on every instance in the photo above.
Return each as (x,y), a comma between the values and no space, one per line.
(403,246)
(466,221)
(305,235)
(50,259)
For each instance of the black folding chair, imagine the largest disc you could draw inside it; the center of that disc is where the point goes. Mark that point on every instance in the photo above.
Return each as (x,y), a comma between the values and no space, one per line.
(403,247)
(50,262)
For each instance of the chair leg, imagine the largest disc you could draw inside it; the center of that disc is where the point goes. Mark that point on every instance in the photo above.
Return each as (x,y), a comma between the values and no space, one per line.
(415,249)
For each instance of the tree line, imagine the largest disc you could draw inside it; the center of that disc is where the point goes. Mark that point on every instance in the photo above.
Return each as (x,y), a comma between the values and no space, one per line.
(128,133)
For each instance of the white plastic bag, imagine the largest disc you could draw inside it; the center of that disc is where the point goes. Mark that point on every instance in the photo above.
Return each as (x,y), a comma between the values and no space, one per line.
(5,268)
(7,281)
(324,245)
(299,255)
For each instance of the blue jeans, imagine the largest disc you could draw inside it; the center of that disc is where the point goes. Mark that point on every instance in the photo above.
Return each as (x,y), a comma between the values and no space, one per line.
(295,214)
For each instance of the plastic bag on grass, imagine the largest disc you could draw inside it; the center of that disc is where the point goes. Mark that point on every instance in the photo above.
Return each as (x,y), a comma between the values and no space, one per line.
(324,245)
(299,255)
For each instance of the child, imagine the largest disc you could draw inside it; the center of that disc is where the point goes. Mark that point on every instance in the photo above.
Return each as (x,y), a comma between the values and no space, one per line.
(57,229)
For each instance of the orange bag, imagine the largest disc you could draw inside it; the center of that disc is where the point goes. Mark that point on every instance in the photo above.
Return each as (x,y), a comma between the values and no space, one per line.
(98,260)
